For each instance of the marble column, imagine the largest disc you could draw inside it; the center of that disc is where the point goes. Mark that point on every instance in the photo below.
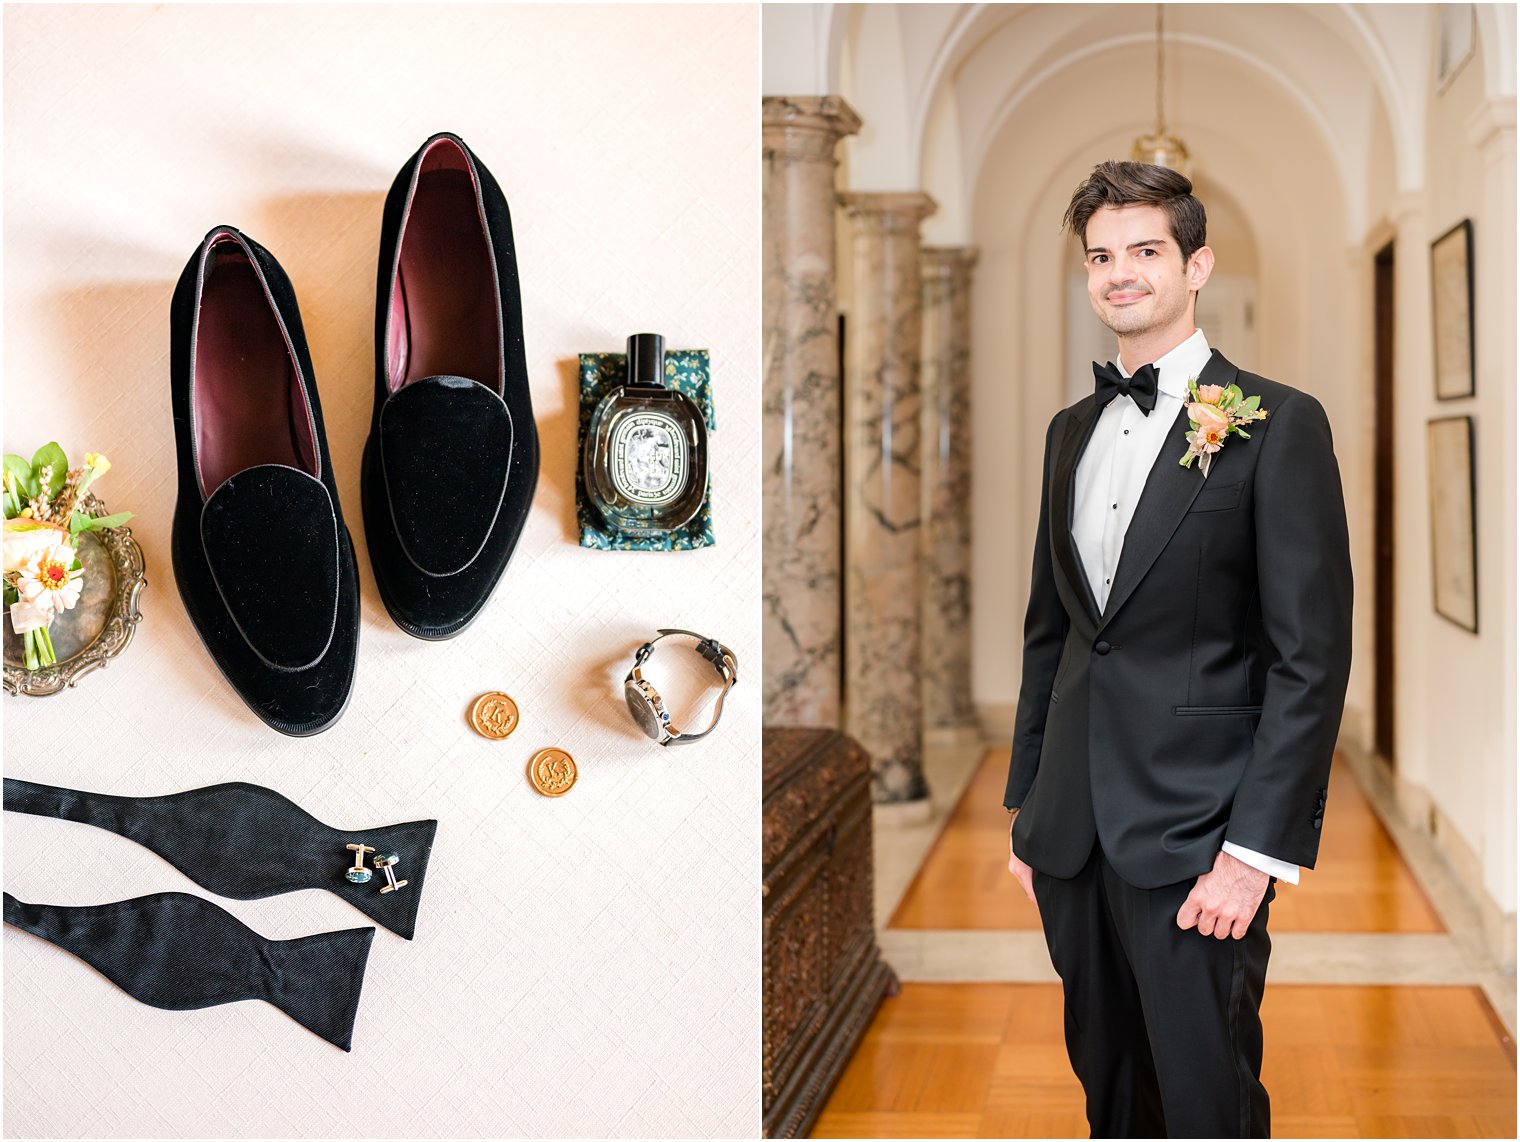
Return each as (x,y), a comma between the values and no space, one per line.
(800,435)
(949,714)
(883,507)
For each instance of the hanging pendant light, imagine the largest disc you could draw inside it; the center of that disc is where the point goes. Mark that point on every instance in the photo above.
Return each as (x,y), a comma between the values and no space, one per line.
(1161,149)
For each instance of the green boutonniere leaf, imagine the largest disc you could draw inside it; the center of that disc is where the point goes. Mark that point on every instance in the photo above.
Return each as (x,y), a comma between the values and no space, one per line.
(116,519)
(22,470)
(51,453)
(1250,404)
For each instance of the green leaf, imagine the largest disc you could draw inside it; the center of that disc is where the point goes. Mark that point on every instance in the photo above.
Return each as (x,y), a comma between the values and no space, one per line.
(11,594)
(116,519)
(1250,404)
(22,470)
(78,522)
(51,453)
(1242,432)
(76,566)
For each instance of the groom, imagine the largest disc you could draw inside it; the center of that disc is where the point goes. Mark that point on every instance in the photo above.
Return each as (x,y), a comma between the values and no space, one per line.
(1186,651)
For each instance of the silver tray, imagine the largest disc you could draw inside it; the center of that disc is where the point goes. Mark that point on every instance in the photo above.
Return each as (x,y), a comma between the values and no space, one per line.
(99,626)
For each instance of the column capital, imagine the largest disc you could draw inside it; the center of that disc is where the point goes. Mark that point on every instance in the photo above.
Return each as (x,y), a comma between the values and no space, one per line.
(1491,121)
(1408,206)
(947,259)
(805,127)
(890,210)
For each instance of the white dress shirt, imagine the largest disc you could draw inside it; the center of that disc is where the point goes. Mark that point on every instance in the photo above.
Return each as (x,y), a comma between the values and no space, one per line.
(1112,474)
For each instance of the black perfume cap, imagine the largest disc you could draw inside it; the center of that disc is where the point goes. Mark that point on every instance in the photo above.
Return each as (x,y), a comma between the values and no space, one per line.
(646,360)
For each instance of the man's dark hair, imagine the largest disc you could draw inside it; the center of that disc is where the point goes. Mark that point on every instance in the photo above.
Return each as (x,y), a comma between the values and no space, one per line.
(1115,183)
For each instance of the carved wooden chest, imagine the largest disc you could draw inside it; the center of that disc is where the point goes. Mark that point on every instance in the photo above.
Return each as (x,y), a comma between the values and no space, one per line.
(823,971)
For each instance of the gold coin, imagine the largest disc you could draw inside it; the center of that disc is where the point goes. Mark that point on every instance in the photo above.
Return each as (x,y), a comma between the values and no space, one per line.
(552,772)
(494,715)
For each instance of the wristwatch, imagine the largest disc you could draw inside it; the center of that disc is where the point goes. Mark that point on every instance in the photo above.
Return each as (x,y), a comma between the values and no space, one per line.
(648,708)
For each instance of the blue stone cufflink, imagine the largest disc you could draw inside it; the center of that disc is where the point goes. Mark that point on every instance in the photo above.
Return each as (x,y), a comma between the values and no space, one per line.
(359,874)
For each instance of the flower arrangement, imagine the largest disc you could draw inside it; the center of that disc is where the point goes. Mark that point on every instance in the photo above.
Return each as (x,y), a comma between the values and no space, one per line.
(1214,414)
(44,514)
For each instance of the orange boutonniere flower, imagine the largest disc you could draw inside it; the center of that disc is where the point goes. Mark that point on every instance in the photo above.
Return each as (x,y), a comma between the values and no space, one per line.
(1214,414)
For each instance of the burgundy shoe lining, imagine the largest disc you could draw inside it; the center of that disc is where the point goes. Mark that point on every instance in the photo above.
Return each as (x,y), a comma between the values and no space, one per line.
(444,318)
(247,403)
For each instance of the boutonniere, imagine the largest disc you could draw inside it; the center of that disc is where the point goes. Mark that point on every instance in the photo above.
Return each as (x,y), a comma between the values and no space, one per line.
(1214,414)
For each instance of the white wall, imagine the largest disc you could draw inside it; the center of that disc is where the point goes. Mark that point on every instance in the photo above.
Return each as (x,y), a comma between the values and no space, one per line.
(1464,751)
(794,49)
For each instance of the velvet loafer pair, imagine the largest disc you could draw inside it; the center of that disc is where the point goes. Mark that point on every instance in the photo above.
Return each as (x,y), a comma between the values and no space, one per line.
(262,555)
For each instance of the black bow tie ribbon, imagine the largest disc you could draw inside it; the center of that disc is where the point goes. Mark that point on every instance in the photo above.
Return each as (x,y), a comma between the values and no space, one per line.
(1139,386)
(246,842)
(182,953)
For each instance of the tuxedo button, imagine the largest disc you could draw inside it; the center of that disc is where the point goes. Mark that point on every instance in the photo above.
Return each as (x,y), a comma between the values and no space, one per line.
(1103,648)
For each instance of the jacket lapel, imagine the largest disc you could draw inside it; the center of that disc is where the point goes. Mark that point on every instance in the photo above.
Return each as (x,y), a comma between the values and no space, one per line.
(1169,492)
(1063,495)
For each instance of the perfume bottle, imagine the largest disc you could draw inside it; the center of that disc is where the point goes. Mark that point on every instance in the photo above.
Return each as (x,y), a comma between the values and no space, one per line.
(646,448)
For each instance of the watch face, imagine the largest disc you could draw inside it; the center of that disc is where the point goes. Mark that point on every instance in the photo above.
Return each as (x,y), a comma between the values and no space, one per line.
(643,713)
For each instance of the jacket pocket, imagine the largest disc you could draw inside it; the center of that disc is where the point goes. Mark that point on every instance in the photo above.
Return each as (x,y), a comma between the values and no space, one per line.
(1204,711)
(1220,499)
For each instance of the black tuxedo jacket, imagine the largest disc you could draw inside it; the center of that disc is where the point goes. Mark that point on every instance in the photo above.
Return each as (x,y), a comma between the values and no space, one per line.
(1203,704)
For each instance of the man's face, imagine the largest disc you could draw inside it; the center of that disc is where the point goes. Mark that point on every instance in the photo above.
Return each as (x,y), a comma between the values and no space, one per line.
(1136,279)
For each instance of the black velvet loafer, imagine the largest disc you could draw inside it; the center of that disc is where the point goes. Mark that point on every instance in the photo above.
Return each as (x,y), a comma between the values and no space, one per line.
(261,553)
(452,457)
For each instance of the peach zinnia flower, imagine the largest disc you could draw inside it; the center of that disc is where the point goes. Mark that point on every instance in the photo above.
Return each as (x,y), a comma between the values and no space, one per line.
(47,581)
(1209,419)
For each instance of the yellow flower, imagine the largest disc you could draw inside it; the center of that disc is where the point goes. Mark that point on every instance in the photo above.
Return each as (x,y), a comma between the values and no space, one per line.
(97,463)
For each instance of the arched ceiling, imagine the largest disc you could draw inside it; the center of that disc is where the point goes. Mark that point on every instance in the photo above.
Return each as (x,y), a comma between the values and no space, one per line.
(1346,68)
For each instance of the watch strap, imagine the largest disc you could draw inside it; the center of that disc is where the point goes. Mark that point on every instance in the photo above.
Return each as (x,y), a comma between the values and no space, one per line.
(721,658)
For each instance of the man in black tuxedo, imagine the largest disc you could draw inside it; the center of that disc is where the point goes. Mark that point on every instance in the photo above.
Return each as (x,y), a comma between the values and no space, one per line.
(1186,652)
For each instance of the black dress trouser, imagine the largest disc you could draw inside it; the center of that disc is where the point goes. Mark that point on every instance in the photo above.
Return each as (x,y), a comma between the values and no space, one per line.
(1163,1025)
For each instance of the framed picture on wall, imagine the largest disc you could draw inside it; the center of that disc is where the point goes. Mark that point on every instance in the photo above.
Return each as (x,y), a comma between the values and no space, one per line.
(1451,283)
(1453,520)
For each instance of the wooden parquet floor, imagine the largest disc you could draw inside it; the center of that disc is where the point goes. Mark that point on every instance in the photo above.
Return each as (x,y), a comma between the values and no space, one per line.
(988,1060)
(961,1060)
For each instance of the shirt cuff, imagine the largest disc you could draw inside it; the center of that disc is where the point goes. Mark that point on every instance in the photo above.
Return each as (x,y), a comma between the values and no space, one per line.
(1269,865)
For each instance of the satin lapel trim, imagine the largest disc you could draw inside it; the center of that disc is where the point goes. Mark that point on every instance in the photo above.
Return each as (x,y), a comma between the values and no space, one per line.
(1079,430)
(1170,490)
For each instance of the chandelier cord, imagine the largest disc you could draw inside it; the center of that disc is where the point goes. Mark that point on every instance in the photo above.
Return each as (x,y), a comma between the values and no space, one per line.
(1160,72)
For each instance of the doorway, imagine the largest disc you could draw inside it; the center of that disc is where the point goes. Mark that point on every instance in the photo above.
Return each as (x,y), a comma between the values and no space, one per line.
(1383,479)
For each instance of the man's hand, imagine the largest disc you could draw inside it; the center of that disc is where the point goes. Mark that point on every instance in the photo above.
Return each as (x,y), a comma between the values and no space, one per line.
(1021,871)
(1224,900)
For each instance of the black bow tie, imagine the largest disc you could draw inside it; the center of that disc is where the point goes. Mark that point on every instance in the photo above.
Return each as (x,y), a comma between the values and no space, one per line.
(1140,386)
